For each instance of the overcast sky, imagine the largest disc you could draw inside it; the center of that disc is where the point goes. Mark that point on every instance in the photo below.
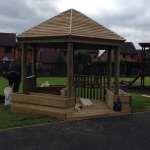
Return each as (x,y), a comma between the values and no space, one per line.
(128,18)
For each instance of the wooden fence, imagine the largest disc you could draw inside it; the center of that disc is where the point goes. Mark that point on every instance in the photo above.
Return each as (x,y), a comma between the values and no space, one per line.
(92,87)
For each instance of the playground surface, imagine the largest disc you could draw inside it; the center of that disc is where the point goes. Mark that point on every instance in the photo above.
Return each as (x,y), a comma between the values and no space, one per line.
(127,132)
(136,89)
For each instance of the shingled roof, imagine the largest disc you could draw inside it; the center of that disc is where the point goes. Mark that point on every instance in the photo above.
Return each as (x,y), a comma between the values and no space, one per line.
(71,23)
(6,58)
(128,48)
(7,39)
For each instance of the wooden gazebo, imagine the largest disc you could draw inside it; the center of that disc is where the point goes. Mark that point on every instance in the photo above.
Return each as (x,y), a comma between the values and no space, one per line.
(71,30)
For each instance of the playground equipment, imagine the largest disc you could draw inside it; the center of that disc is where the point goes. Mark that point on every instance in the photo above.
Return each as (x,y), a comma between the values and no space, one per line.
(145,68)
(136,77)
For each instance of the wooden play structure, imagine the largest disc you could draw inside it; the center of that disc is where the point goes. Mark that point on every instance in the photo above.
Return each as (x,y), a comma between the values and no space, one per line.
(145,68)
(69,30)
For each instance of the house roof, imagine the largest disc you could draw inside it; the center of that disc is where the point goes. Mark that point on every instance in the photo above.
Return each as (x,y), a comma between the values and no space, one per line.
(7,39)
(71,23)
(127,48)
(6,58)
(101,52)
(49,56)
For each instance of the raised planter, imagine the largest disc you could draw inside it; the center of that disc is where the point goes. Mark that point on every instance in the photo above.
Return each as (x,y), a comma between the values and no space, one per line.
(2,99)
(52,89)
(44,104)
(124,98)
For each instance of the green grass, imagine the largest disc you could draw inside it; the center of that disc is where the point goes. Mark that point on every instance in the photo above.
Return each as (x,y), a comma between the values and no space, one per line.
(52,80)
(11,120)
(139,104)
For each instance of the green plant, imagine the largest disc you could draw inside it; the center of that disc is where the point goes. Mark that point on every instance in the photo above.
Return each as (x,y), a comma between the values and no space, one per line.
(82,59)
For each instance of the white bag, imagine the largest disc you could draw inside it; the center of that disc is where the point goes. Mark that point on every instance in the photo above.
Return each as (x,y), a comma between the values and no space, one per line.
(46,84)
(7,93)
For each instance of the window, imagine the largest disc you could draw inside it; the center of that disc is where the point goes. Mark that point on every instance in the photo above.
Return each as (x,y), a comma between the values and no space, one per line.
(65,54)
(94,55)
(7,50)
(132,56)
(124,56)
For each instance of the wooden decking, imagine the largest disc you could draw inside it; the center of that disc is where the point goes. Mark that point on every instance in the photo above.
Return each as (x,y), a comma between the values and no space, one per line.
(100,109)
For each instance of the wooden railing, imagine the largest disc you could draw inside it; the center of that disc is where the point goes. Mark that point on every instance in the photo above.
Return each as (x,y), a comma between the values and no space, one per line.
(92,87)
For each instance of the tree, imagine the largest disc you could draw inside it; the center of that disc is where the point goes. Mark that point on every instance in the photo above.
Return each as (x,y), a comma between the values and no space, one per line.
(82,59)
(17,64)
(59,58)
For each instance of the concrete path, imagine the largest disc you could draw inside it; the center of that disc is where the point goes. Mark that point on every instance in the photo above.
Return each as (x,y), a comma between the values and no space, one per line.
(128,132)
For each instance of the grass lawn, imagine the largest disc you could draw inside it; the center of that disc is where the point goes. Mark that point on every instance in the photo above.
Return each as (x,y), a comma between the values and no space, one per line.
(139,104)
(10,120)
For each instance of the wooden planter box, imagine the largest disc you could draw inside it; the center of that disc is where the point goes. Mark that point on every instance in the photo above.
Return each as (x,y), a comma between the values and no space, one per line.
(52,89)
(44,104)
(124,98)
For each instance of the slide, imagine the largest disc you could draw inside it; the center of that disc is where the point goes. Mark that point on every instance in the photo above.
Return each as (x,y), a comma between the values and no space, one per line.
(136,77)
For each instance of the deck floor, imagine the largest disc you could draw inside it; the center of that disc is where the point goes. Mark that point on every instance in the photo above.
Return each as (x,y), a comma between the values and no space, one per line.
(100,109)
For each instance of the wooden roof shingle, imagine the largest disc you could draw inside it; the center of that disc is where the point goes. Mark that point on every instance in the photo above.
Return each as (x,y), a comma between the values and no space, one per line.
(71,23)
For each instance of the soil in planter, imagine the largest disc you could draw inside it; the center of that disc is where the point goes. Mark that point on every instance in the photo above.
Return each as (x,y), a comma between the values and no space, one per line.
(2,98)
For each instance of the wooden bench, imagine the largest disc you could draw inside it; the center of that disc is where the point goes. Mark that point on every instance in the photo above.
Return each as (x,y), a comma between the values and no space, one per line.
(123,81)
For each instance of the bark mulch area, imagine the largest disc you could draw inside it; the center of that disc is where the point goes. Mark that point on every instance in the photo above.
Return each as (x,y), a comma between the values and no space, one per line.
(136,89)
(2,98)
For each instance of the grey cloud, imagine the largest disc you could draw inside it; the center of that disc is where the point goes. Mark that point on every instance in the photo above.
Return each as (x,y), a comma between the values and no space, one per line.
(129,18)
(22,15)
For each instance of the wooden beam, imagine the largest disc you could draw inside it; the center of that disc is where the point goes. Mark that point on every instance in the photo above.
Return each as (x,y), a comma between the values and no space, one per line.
(74,39)
(24,68)
(34,63)
(70,70)
(109,69)
(117,70)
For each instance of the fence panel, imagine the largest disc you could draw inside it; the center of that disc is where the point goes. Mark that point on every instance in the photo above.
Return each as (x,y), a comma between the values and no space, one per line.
(92,87)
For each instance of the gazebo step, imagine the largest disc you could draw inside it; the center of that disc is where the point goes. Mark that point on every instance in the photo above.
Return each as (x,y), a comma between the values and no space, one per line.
(86,103)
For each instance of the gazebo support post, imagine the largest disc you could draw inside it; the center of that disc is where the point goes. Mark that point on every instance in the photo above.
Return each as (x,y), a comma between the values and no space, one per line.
(70,70)
(34,60)
(117,70)
(109,69)
(24,68)
(34,63)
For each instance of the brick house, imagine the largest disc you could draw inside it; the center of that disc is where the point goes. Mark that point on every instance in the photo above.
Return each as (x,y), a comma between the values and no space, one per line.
(48,57)
(7,49)
(92,53)
(127,52)
(147,54)
(29,53)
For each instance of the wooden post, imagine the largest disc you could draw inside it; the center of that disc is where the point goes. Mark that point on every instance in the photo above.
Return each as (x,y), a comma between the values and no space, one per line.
(70,70)
(34,60)
(117,70)
(34,63)
(109,69)
(24,68)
